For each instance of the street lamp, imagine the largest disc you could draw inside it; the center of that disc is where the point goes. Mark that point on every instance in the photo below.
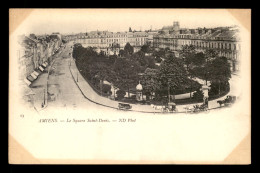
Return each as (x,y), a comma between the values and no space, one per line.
(169,100)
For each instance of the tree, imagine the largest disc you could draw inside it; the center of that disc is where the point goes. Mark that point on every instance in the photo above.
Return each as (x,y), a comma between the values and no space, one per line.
(139,57)
(102,53)
(158,59)
(128,49)
(198,59)
(127,74)
(150,81)
(99,71)
(145,48)
(150,62)
(106,88)
(120,94)
(187,52)
(122,53)
(111,59)
(220,71)
(167,49)
(33,36)
(77,50)
(198,95)
(159,54)
(214,88)
(172,75)
(210,55)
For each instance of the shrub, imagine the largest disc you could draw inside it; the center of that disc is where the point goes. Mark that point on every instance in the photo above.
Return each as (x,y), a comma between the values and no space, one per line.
(158,59)
(120,94)
(106,88)
(133,97)
(198,95)
(214,90)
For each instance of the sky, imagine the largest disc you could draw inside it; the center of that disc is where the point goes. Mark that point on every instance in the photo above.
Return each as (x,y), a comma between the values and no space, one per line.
(65,21)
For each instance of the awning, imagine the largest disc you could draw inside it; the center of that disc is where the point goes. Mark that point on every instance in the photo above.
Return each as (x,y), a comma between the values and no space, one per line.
(44,65)
(36,73)
(30,78)
(34,76)
(41,68)
(27,82)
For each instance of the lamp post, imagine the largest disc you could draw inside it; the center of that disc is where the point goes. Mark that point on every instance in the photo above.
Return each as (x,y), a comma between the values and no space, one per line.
(114,92)
(205,90)
(44,96)
(101,86)
(169,99)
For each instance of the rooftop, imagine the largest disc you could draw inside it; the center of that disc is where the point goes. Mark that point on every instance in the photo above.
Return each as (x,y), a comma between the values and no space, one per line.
(224,32)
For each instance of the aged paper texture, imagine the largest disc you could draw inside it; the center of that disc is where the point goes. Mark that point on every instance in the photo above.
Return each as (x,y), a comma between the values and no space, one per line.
(55,117)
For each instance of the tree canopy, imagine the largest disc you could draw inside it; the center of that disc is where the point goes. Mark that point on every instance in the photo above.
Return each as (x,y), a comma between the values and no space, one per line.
(128,49)
(220,69)
(150,81)
(172,73)
(126,72)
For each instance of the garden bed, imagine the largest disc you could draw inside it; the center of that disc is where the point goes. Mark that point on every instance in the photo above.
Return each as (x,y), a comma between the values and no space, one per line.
(178,102)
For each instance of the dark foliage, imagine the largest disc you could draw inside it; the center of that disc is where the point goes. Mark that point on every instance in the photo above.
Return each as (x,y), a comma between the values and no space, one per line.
(120,94)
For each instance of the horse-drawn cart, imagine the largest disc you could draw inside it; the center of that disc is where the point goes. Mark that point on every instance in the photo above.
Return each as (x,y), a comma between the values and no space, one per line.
(200,108)
(124,106)
(172,107)
(228,101)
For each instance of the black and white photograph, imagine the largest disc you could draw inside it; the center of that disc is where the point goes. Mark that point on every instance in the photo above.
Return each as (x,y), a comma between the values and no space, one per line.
(129,86)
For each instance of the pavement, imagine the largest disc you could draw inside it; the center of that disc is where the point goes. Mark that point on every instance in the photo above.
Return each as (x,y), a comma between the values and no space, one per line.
(40,87)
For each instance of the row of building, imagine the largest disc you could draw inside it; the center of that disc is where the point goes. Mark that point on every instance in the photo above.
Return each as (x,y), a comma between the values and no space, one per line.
(223,39)
(111,42)
(34,54)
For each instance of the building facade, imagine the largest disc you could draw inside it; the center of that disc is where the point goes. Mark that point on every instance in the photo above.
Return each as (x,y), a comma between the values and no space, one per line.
(33,52)
(224,40)
(112,42)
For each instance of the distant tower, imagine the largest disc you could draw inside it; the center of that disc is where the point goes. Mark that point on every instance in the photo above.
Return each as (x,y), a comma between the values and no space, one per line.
(130,30)
(176,26)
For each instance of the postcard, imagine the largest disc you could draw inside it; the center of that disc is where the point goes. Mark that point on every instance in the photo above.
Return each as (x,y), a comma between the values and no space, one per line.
(130,86)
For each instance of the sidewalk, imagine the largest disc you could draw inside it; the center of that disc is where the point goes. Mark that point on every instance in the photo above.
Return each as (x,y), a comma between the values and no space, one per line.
(40,88)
